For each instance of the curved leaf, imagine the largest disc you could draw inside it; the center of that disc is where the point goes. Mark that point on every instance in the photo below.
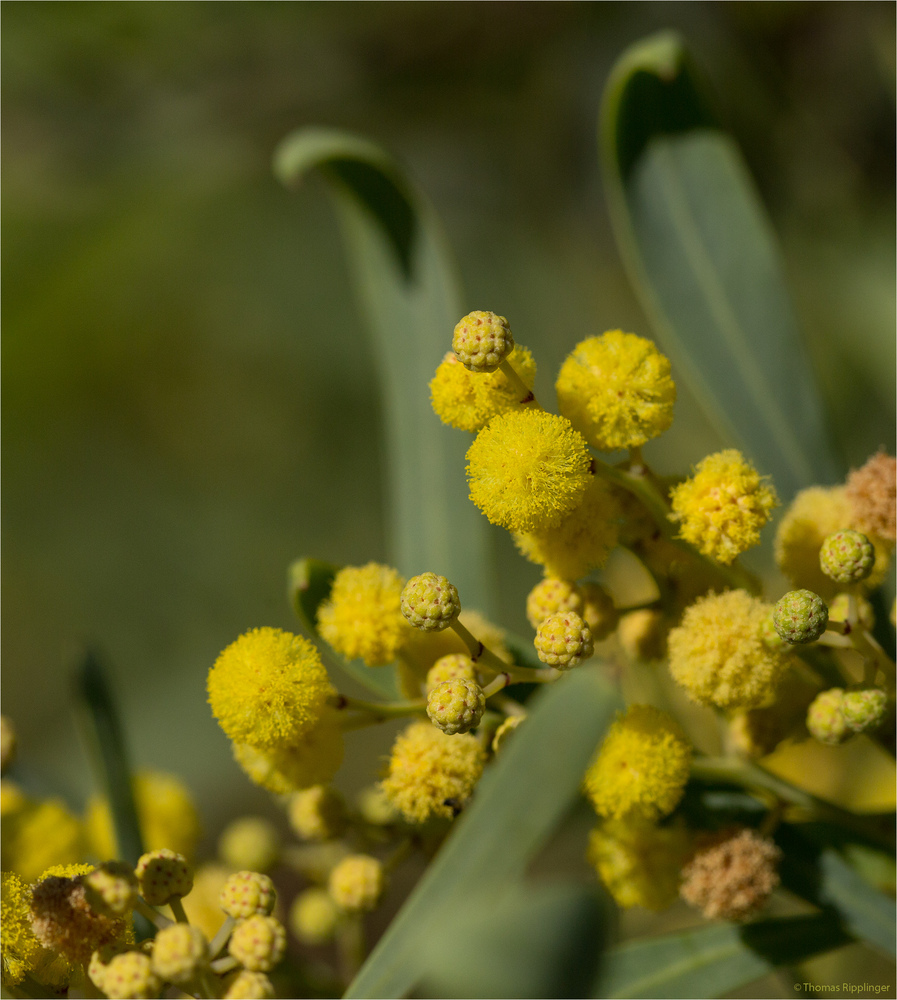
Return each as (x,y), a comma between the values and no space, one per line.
(714,960)
(409,297)
(704,260)
(519,802)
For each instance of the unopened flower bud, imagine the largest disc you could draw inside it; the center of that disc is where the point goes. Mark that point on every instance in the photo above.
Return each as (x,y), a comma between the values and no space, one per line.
(482,340)
(162,875)
(357,883)
(825,718)
(563,641)
(258,943)
(847,556)
(314,916)
(430,602)
(864,710)
(800,616)
(552,597)
(247,893)
(317,813)
(179,953)
(452,666)
(456,706)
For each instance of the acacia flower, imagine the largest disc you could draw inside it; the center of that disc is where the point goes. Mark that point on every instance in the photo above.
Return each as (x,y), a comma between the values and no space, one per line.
(356,883)
(431,774)
(872,494)
(361,617)
(616,390)
(722,508)
(718,654)
(18,945)
(641,768)
(527,469)
(581,541)
(469,400)
(268,689)
(314,916)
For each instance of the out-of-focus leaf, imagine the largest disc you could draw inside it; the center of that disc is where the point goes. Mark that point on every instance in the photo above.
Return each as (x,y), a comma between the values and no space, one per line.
(519,802)
(530,941)
(309,583)
(713,960)
(812,868)
(410,300)
(704,260)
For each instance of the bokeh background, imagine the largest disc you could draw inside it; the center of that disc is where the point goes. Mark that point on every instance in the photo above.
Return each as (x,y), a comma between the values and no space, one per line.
(188,398)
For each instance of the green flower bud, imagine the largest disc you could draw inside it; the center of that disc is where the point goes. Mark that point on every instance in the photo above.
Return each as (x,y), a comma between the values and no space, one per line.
(825,720)
(456,706)
(864,710)
(800,616)
(430,602)
(847,556)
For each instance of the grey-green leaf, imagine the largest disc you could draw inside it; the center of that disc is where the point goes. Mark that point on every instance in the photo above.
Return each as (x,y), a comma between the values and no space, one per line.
(519,802)
(713,960)
(704,261)
(409,297)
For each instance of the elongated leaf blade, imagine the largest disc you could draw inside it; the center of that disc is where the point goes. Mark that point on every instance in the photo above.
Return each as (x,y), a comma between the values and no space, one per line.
(518,803)
(410,300)
(713,960)
(704,261)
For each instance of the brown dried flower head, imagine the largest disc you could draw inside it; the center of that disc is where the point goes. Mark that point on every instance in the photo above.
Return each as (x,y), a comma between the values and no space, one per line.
(64,921)
(872,492)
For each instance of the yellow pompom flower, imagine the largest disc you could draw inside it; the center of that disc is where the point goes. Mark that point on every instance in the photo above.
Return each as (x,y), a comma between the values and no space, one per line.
(167,813)
(19,947)
(718,654)
(814,514)
(312,760)
(641,768)
(639,862)
(582,540)
(431,774)
(268,689)
(722,508)
(469,400)
(38,834)
(356,883)
(527,469)
(616,390)
(361,618)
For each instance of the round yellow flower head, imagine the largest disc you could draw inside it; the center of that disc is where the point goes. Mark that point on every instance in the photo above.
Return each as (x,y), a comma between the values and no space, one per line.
(456,705)
(504,731)
(246,893)
(468,401)
(581,541)
(357,882)
(314,916)
(63,921)
(250,842)
(527,469)
(814,514)
(431,774)
(598,610)
(7,743)
(130,976)
(732,875)
(180,952)
(872,494)
(258,943)
(18,945)
(312,760)
(111,889)
(552,596)
(361,617)
(317,813)
(166,810)
(374,807)
(616,390)
(39,834)
(643,634)
(454,666)
(482,340)
(718,654)
(268,688)
(641,768)
(639,862)
(246,985)
(722,508)
(163,875)
(430,602)
(564,641)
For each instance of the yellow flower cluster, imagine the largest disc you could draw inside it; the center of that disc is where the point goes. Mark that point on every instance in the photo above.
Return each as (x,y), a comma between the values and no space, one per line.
(616,390)
(641,768)
(722,508)
(431,774)
(469,400)
(361,617)
(718,654)
(527,469)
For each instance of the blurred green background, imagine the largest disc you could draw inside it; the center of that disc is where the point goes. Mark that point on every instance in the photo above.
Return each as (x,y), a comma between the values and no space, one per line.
(188,401)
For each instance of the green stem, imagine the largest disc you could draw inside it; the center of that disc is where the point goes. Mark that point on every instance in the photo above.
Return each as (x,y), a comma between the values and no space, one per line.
(157,919)
(524,394)
(376,711)
(755,779)
(220,938)
(350,943)
(221,966)
(177,908)
(641,485)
